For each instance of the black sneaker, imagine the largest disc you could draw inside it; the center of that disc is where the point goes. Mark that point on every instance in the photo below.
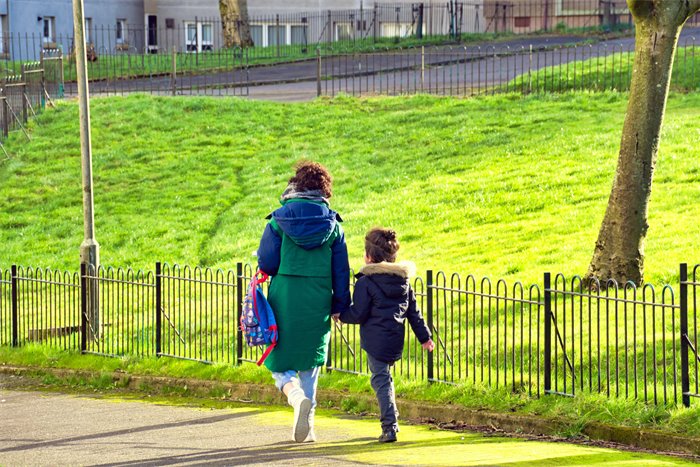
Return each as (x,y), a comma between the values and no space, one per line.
(388,436)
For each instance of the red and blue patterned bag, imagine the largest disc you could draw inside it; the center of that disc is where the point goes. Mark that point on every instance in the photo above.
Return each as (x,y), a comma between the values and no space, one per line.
(257,318)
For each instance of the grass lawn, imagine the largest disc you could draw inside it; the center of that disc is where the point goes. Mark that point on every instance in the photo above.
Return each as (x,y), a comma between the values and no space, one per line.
(504,186)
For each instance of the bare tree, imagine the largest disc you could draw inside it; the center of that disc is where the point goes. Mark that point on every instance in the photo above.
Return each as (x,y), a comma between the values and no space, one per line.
(235,24)
(619,250)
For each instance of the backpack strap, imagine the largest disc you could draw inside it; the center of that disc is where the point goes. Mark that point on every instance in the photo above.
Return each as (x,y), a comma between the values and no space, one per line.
(269,348)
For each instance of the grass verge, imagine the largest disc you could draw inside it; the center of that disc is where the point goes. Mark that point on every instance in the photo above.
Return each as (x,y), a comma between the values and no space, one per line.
(570,416)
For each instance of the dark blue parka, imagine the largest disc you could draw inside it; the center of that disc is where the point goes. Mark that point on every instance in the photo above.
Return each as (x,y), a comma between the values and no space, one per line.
(382,300)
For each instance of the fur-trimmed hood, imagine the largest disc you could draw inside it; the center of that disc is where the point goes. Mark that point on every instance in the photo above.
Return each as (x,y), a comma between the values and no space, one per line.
(403,269)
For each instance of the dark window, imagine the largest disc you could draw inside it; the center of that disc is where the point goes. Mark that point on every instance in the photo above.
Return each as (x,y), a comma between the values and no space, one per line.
(170,23)
(522,21)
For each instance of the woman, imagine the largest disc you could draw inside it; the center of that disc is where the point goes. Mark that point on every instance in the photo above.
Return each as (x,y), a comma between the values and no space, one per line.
(303,250)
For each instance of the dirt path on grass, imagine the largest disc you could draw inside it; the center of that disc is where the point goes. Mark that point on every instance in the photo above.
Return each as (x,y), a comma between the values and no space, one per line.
(58,429)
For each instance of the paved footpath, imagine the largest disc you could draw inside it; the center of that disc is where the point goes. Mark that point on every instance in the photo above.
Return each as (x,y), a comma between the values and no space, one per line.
(38,428)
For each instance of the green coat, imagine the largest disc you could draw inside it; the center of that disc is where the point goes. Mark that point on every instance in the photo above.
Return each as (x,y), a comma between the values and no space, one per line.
(301,295)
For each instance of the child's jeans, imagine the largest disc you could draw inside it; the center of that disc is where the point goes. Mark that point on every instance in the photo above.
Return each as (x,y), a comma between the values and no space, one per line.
(383,385)
(308,381)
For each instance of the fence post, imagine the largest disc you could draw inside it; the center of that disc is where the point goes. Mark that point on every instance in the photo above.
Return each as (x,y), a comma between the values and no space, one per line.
(429,313)
(422,67)
(15,306)
(374,23)
(239,308)
(277,30)
(547,333)
(197,45)
(529,73)
(419,21)
(62,85)
(83,307)
(318,72)
(173,76)
(685,364)
(25,113)
(5,113)
(329,27)
(159,309)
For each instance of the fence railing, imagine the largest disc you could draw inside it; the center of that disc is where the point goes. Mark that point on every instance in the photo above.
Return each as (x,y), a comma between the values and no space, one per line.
(562,337)
(25,93)
(473,70)
(442,70)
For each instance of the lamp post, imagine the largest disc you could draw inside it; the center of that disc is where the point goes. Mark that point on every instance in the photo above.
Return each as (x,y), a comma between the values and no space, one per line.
(89,249)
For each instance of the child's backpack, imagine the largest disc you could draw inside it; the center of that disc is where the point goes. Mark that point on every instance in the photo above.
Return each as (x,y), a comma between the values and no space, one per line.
(257,318)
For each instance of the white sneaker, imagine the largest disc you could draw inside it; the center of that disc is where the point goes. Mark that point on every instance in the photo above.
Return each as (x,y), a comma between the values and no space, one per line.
(302,407)
(311,437)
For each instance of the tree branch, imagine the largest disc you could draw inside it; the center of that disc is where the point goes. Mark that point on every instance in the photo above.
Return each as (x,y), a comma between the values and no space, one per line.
(694,6)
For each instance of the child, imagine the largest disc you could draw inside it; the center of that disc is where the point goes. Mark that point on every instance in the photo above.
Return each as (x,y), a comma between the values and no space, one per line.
(383,299)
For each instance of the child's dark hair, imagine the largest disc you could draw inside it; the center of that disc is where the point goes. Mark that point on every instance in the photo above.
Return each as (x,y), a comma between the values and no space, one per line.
(311,176)
(381,245)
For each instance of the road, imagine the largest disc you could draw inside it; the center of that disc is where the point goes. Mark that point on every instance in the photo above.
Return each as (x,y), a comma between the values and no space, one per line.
(51,429)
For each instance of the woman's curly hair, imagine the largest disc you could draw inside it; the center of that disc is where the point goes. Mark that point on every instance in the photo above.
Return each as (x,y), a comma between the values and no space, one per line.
(381,245)
(311,176)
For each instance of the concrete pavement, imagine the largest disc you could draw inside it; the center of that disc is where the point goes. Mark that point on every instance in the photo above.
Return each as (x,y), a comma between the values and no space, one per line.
(38,428)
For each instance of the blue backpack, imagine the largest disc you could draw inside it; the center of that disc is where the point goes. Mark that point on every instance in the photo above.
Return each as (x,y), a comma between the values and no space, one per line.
(257,318)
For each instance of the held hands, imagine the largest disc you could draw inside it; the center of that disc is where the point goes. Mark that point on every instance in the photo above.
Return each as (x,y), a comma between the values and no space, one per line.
(429,345)
(336,318)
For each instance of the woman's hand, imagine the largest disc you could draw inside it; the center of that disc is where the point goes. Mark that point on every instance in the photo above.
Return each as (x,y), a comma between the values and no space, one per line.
(429,346)
(336,318)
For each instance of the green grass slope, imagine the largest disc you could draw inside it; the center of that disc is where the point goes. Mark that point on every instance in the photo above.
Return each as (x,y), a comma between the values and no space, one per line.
(503,186)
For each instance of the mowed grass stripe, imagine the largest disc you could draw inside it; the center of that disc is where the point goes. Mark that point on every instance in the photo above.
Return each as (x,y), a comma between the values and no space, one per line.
(505,186)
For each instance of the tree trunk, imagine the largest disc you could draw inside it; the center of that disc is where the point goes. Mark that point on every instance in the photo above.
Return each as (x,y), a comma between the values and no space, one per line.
(619,250)
(235,24)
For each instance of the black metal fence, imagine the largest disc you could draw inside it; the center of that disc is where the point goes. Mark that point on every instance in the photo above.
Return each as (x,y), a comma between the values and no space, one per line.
(353,52)
(473,70)
(564,337)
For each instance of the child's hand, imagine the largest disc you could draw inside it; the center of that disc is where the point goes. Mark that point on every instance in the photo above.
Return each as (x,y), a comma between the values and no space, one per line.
(336,318)
(429,346)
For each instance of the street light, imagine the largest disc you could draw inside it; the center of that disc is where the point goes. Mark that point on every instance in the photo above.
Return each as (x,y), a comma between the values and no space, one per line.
(89,249)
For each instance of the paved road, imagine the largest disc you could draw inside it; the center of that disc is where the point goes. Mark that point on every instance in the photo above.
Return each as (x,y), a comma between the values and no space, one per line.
(57,429)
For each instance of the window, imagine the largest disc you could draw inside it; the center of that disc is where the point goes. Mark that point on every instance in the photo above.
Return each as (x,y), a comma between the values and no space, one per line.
(199,37)
(269,35)
(397,29)
(169,23)
(256,33)
(121,31)
(522,21)
(88,30)
(49,29)
(191,37)
(343,31)
(3,35)
(299,34)
(207,36)
(276,35)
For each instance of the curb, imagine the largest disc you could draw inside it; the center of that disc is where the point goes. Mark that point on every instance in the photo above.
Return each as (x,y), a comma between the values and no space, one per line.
(415,411)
